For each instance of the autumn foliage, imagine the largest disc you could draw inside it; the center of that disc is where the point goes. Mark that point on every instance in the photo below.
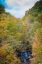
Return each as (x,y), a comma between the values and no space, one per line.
(21,34)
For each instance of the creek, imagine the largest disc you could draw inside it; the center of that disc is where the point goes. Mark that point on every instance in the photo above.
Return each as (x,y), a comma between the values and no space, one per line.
(25,56)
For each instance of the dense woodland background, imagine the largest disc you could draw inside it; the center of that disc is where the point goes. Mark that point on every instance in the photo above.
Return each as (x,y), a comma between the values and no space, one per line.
(19,34)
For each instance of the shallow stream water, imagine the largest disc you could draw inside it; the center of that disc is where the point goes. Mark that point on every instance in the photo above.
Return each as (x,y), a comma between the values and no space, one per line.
(24,56)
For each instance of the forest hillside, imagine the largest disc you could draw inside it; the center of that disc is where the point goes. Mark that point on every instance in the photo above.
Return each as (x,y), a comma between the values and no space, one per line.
(21,34)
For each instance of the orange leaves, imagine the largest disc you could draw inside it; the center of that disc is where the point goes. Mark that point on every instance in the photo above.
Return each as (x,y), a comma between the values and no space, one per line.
(2,53)
(37,44)
(7,55)
(34,45)
(15,60)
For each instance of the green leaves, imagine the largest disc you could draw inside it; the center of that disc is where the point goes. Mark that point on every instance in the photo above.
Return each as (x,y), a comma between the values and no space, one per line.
(2,9)
(34,27)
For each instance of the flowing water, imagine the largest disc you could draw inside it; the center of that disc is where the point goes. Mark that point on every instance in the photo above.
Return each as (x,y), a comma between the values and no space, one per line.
(24,56)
